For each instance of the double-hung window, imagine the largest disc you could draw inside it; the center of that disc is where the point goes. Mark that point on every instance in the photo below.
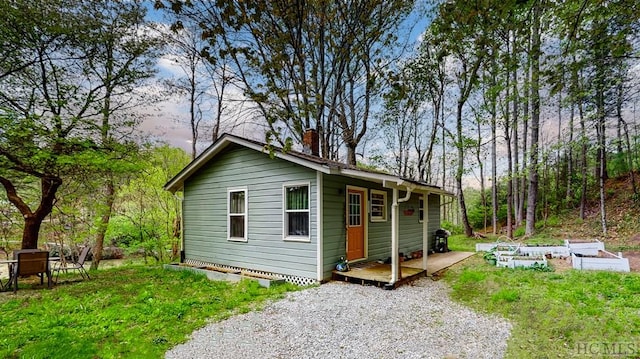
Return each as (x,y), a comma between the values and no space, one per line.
(237,214)
(296,212)
(378,206)
(421,210)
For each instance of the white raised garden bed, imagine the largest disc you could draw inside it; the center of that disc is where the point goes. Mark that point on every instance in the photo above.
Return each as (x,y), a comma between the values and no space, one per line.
(554,251)
(486,247)
(519,260)
(584,255)
(603,261)
(590,248)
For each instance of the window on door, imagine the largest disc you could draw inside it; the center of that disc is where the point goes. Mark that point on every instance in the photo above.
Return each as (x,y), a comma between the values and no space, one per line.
(296,212)
(354,210)
(237,214)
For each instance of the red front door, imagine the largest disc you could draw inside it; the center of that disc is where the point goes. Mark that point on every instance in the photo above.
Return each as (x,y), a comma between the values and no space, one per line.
(355,223)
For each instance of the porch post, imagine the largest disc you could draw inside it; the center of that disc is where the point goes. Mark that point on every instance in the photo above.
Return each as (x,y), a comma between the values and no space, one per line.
(319,226)
(425,229)
(394,237)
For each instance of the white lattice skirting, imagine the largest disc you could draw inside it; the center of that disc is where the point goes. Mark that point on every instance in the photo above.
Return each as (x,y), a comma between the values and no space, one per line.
(303,281)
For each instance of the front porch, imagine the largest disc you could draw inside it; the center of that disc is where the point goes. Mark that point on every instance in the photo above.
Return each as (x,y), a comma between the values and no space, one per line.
(379,274)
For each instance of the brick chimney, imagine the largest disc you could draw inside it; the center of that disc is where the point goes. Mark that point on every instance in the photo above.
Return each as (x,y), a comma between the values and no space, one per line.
(311,142)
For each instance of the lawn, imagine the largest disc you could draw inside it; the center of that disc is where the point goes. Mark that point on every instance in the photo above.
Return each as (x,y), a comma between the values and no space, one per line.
(567,314)
(132,311)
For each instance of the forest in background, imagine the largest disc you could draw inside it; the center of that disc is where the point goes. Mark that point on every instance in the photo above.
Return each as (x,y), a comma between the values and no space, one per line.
(535,100)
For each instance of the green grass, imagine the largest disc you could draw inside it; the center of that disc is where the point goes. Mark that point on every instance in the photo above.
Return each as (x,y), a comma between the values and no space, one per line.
(460,242)
(126,312)
(553,314)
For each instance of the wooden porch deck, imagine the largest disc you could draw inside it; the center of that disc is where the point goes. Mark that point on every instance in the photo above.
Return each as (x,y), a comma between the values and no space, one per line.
(378,274)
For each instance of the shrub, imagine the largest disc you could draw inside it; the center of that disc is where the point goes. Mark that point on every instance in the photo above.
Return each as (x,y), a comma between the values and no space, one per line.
(452,228)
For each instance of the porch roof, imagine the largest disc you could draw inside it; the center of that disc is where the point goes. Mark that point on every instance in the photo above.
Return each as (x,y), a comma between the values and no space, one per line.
(306,160)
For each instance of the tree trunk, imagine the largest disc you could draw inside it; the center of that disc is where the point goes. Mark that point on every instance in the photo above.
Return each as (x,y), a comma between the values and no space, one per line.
(602,162)
(569,182)
(535,122)
(483,195)
(109,192)
(509,185)
(520,212)
(444,164)
(601,129)
(494,176)
(627,141)
(351,154)
(33,220)
(31,232)
(603,209)
(583,163)
(460,172)
(515,173)
(507,137)
(557,197)
(192,113)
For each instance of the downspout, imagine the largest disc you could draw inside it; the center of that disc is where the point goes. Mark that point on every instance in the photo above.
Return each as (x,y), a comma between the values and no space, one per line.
(395,225)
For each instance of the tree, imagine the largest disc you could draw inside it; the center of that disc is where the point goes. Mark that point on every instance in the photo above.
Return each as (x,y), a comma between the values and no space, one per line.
(413,112)
(32,117)
(305,64)
(461,29)
(205,77)
(597,40)
(57,109)
(532,196)
(146,214)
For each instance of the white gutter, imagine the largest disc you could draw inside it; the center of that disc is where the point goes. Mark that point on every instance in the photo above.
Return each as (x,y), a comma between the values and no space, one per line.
(395,225)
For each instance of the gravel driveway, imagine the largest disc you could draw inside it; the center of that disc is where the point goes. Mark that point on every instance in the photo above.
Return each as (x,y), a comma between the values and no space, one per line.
(340,320)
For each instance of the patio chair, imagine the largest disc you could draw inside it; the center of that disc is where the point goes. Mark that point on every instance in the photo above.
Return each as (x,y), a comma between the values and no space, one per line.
(30,262)
(78,265)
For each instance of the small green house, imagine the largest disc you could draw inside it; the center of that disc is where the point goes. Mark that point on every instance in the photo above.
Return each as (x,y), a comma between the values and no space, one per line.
(293,214)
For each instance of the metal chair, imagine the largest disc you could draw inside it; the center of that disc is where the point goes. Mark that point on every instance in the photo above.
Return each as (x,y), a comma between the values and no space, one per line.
(30,262)
(78,265)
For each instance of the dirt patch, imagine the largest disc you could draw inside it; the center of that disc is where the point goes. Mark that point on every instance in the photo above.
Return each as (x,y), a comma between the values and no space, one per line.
(561,264)
(634,260)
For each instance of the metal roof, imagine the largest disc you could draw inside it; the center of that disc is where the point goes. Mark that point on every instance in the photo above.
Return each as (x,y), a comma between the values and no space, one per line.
(306,160)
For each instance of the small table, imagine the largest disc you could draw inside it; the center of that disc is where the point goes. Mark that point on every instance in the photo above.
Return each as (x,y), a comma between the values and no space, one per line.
(10,263)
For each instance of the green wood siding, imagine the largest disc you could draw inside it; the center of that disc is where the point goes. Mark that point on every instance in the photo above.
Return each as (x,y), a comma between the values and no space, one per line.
(434,218)
(379,233)
(205,215)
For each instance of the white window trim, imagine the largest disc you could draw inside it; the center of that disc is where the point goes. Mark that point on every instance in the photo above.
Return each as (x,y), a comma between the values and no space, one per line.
(384,205)
(421,208)
(285,236)
(246,214)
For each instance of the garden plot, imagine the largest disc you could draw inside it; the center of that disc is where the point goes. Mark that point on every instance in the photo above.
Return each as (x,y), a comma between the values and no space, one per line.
(585,255)
(602,260)
(517,259)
